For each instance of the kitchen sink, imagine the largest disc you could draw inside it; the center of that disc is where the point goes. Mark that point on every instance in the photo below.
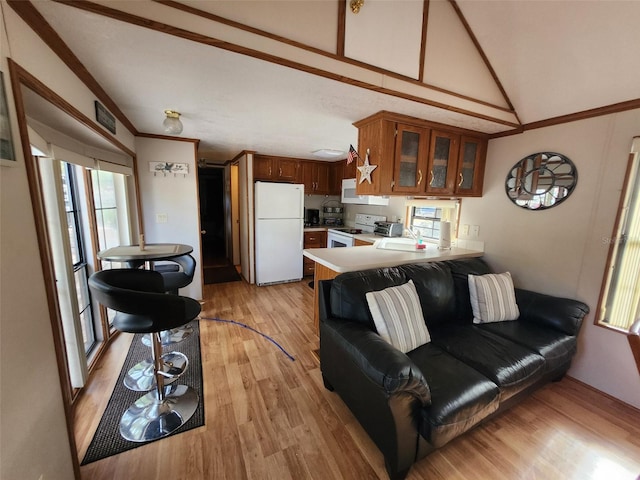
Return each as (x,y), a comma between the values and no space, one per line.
(402,244)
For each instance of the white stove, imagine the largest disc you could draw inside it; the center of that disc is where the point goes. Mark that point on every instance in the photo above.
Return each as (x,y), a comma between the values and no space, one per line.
(345,236)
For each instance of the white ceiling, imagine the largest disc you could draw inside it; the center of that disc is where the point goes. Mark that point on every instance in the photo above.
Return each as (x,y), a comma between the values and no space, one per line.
(560,57)
(552,58)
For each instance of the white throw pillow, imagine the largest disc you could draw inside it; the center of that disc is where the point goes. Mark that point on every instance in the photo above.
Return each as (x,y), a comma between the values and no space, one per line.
(397,314)
(493,298)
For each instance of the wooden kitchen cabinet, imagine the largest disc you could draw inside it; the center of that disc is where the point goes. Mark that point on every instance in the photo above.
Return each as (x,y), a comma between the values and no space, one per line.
(275,169)
(319,178)
(471,163)
(410,159)
(339,171)
(349,169)
(418,157)
(376,136)
(336,171)
(361,243)
(314,239)
(443,163)
(316,177)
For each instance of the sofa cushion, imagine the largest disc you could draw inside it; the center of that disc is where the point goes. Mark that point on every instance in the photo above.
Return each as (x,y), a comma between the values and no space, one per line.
(460,396)
(509,365)
(556,347)
(348,292)
(434,284)
(493,298)
(397,315)
(460,271)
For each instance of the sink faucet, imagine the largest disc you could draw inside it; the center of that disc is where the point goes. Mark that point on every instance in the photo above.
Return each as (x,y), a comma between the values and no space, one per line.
(412,234)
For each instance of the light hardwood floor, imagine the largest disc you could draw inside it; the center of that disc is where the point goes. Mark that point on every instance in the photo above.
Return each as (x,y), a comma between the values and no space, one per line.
(267,417)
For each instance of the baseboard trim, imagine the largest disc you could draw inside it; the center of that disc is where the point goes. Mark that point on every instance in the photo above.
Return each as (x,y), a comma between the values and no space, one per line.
(604,394)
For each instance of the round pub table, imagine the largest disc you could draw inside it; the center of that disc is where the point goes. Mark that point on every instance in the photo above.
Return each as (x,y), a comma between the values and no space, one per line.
(152,251)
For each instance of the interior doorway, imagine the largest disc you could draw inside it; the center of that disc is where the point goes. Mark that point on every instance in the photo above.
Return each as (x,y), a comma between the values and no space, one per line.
(216,224)
(212,216)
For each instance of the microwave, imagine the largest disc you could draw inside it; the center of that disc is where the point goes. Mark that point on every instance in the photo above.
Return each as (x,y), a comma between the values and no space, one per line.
(349,195)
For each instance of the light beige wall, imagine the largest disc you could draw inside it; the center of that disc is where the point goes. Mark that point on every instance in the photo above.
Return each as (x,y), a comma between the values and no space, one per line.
(32,54)
(33,433)
(562,251)
(173,195)
(386,34)
(452,60)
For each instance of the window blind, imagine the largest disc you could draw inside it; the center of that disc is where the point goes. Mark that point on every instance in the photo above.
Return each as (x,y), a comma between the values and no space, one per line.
(622,306)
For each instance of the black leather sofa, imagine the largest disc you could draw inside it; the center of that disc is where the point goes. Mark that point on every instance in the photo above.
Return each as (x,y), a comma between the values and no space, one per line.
(411,404)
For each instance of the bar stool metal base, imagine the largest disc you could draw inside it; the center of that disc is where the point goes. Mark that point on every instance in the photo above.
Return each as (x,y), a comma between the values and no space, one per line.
(141,377)
(169,337)
(149,419)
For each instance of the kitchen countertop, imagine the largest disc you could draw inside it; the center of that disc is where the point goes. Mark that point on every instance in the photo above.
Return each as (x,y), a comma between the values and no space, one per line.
(365,237)
(362,258)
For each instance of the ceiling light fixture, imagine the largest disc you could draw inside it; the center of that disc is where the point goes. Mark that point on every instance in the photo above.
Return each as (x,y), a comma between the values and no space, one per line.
(328,153)
(356,5)
(172,124)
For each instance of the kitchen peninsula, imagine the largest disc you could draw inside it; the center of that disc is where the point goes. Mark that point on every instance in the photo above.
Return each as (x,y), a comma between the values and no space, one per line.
(330,262)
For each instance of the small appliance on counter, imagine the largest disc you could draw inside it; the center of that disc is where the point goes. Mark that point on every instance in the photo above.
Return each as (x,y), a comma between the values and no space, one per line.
(388,229)
(311,217)
(332,221)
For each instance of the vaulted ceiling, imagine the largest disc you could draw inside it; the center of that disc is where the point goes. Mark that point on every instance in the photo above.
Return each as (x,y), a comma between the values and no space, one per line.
(534,60)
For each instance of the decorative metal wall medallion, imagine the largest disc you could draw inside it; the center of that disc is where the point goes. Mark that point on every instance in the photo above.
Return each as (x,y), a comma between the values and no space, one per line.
(541,180)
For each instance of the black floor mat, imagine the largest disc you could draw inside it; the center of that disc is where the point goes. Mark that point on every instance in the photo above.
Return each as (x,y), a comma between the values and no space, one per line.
(227,273)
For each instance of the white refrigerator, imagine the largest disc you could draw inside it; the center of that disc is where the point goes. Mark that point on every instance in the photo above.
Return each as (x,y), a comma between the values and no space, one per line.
(279,237)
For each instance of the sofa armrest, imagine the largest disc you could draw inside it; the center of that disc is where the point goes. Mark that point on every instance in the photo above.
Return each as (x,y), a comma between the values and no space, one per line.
(382,387)
(563,314)
(382,363)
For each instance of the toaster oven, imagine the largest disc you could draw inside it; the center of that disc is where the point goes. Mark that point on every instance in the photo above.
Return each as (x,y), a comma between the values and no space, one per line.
(388,229)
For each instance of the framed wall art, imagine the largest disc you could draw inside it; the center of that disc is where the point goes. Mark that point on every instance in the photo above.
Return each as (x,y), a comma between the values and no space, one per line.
(7,152)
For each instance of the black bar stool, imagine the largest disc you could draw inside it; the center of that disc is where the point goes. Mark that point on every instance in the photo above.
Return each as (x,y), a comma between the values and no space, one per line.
(138,296)
(174,279)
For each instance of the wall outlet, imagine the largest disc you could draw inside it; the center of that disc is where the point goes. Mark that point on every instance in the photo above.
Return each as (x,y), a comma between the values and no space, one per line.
(465,230)
(475,231)
(161,218)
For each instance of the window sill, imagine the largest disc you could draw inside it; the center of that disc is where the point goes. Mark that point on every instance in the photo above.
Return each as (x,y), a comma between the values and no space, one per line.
(612,328)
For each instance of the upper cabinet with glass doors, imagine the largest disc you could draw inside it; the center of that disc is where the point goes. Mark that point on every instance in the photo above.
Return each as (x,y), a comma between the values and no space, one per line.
(410,165)
(443,159)
(416,157)
(471,162)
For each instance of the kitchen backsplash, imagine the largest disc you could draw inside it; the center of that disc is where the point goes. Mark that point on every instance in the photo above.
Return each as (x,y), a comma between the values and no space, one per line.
(395,211)
(318,201)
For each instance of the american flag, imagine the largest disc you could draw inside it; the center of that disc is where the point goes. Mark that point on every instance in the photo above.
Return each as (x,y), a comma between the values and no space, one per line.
(352,154)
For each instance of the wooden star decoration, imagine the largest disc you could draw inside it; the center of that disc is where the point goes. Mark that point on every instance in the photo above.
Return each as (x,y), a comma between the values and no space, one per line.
(366,169)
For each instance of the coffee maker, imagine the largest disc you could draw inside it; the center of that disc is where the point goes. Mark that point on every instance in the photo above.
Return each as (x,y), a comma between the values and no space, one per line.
(311,217)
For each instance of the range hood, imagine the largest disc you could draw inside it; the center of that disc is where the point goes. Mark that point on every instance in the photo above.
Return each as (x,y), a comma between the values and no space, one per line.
(349,195)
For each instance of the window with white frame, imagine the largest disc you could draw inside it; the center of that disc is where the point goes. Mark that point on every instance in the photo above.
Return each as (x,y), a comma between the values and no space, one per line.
(109,196)
(111,214)
(72,206)
(424,216)
(620,299)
